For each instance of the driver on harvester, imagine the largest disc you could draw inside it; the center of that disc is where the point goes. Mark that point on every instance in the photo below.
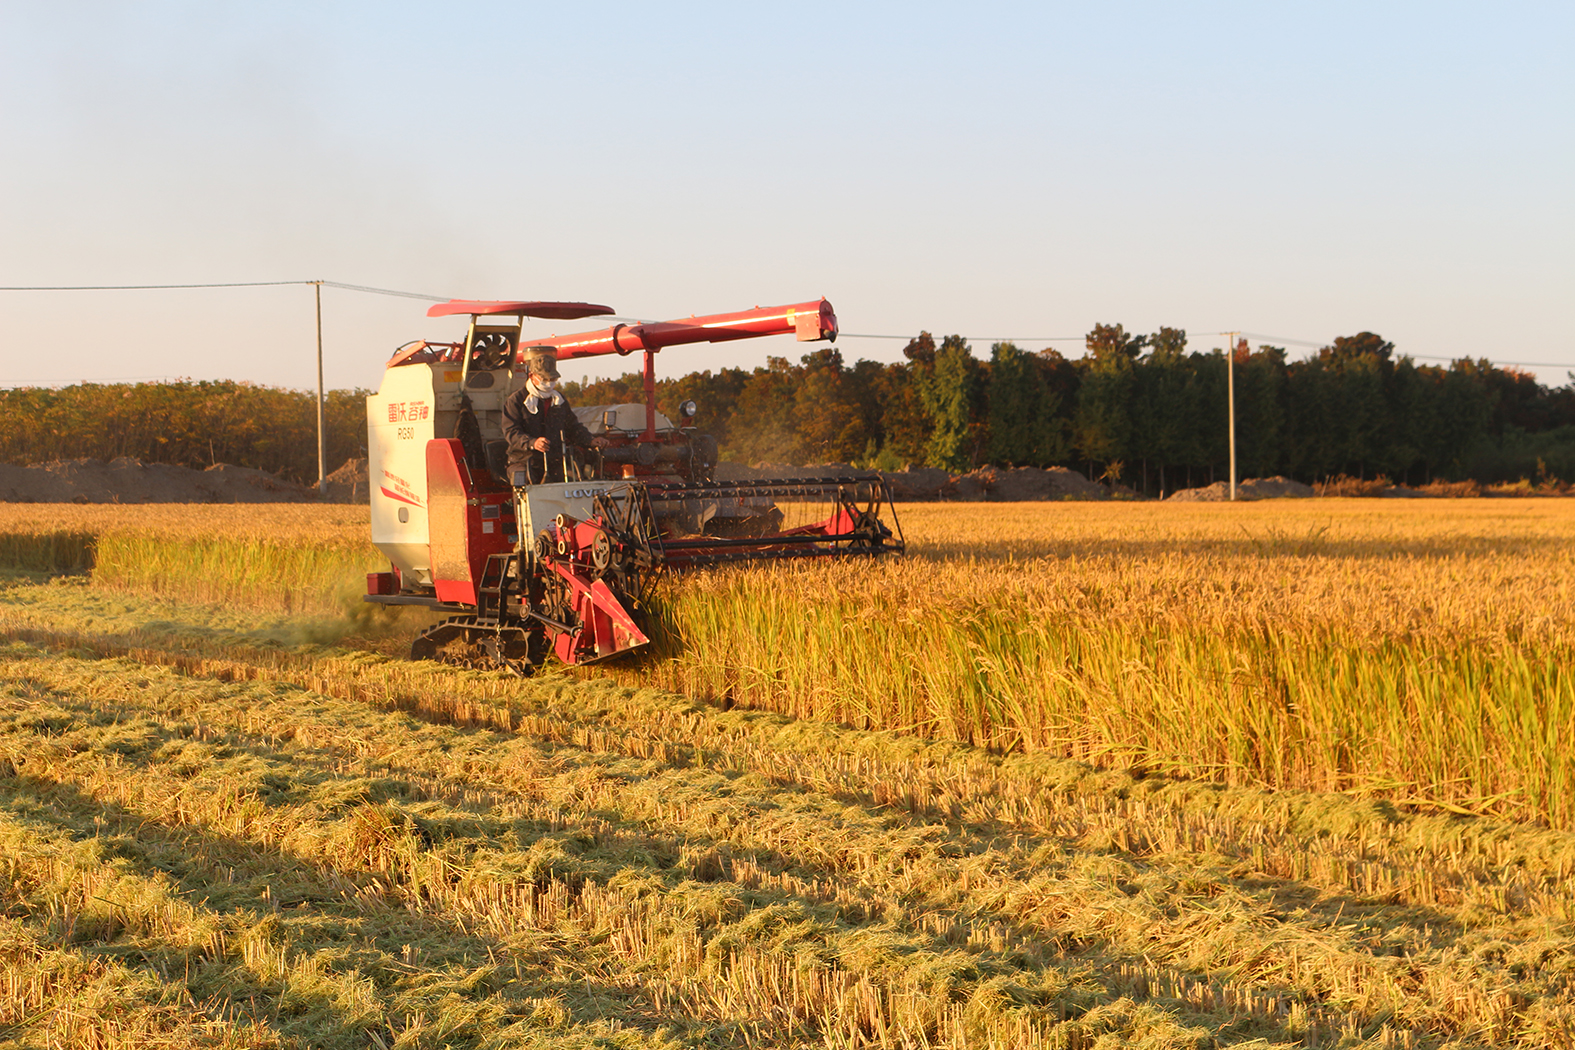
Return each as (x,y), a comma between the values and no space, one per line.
(538,422)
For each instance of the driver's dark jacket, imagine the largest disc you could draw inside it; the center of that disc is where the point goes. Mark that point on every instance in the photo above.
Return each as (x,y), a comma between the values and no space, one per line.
(553,420)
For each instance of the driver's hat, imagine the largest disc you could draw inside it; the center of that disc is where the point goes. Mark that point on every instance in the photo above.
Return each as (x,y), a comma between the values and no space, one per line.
(541,361)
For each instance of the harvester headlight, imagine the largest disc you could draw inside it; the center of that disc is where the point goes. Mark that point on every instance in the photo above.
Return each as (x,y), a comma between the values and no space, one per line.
(688,409)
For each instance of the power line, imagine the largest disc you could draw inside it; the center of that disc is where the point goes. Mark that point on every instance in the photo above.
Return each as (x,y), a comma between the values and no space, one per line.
(1415,357)
(385,291)
(1491,361)
(1036,338)
(142,287)
(981,338)
(1272,339)
(219,284)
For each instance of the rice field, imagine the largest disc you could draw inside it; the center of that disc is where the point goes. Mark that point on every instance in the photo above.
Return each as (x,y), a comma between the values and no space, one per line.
(1415,651)
(1291,774)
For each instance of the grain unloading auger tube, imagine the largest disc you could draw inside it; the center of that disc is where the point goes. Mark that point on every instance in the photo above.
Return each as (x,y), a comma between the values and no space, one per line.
(558,558)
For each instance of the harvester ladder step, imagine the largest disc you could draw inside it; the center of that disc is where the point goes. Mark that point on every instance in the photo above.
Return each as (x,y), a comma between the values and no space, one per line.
(491,588)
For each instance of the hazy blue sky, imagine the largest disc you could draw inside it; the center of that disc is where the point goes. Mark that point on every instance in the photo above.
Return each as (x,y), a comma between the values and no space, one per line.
(1302,170)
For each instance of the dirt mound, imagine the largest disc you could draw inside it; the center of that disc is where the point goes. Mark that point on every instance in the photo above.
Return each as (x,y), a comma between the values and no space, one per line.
(1347,486)
(1023,484)
(349,483)
(918,484)
(127,480)
(1277,487)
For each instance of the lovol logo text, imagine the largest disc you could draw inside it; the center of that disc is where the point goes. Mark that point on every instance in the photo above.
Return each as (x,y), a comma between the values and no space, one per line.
(581,493)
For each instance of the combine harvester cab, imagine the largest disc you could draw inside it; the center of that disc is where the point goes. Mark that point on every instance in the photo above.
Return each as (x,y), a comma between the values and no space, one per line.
(562,565)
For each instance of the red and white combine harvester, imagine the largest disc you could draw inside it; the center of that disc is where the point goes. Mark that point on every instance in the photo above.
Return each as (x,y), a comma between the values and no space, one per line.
(563,564)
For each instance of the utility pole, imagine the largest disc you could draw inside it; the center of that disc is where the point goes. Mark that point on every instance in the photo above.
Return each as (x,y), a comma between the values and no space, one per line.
(322,466)
(1230,386)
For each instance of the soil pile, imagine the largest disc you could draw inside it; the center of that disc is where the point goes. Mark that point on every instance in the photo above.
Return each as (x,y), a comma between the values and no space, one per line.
(348,484)
(1022,484)
(1277,487)
(772,471)
(127,480)
(917,485)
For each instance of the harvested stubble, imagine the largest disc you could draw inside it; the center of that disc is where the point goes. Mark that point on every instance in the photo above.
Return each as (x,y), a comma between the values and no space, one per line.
(254,843)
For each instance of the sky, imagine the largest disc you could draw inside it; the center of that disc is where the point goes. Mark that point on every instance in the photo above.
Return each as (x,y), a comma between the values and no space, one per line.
(1298,171)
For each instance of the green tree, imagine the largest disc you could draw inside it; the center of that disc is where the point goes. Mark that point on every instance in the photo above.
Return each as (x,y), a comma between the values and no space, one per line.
(1312,445)
(1466,405)
(1161,415)
(951,395)
(1024,426)
(1109,342)
(764,428)
(1103,420)
(1260,410)
(715,397)
(1361,366)
(898,422)
(826,411)
(191,424)
(1414,427)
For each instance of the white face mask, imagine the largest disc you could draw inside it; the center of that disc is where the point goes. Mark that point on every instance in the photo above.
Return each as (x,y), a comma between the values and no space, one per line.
(543,385)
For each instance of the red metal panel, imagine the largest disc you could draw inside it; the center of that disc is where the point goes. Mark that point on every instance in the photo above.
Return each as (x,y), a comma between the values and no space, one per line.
(448,494)
(551,311)
(465,524)
(811,320)
(606,628)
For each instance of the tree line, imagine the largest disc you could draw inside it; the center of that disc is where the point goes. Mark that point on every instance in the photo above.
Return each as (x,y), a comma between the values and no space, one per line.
(187,423)
(1141,409)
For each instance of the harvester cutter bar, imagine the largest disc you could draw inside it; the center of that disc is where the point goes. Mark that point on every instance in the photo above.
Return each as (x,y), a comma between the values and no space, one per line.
(684,559)
(684,546)
(775,487)
(850,530)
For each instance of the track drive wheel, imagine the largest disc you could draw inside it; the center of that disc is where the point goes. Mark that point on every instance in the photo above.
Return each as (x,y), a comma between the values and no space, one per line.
(517,650)
(438,641)
(461,642)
